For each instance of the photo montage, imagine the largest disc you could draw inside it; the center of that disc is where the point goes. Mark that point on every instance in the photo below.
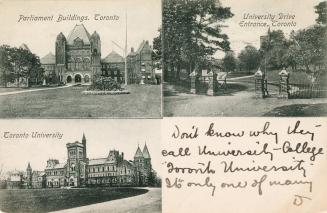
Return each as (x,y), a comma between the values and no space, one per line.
(244,59)
(98,166)
(80,60)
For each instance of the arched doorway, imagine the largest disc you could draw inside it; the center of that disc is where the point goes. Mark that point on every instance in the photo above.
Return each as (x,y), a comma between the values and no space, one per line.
(86,79)
(69,79)
(71,182)
(78,78)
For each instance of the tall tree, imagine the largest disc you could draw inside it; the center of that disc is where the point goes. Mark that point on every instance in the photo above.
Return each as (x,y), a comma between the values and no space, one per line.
(17,63)
(249,58)
(229,62)
(321,10)
(192,33)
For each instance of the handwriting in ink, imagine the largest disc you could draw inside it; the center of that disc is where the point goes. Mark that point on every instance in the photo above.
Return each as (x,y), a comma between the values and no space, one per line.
(176,184)
(302,148)
(236,152)
(264,131)
(211,132)
(296,130)
(258,183)
(206,183)
(182,152)
(298,200)
(230,168)
(184,135)
(206,170)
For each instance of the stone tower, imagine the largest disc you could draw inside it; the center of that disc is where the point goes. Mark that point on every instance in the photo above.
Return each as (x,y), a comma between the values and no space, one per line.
(138,163)
(95,53)
(76,163)
(147,167)
(84,146)
(60,55)
(29,175)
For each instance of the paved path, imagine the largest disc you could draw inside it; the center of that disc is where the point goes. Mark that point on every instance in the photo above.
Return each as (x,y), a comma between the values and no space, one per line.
(149,202)
(242,77)
(32,90)
(240,103)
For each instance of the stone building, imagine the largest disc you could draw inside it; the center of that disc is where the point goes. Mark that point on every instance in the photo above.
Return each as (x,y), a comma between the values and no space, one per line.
(80,171)
(113,65)
(140,65)
(16,180)
(77,59)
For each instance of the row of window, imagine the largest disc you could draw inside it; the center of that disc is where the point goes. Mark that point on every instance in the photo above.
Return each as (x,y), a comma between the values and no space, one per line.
(103,168)
(54,172)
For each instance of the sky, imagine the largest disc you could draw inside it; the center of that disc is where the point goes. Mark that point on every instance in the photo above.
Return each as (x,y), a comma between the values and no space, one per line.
(143,22)
(102,135)
(242,36)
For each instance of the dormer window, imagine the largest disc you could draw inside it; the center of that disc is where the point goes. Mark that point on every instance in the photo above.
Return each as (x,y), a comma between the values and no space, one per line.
(78,42)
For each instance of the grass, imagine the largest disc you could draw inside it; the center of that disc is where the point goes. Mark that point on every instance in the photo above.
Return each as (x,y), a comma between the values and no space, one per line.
(45,200)
(143,101)
(302,110)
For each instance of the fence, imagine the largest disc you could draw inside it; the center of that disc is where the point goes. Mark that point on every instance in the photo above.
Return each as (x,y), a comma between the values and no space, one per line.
(287,89)
(318,90)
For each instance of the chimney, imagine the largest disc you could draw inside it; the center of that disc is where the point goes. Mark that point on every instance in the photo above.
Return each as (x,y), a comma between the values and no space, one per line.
(132,49)
(122,155)
(147,42)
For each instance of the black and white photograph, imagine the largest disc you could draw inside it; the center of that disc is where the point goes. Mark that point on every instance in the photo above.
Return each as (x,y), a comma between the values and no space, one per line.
(244,58)
(98,166)
(72,59)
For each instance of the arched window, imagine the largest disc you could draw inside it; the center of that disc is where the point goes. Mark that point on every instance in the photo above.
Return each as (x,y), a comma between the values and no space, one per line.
(79,64)
(86,63)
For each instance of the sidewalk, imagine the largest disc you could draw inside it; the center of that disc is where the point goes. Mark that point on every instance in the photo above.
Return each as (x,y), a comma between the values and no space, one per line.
(149,202)
(32,90)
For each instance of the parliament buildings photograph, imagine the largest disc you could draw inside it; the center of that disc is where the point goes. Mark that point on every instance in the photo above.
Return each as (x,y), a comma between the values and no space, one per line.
(80,171)
(78,58)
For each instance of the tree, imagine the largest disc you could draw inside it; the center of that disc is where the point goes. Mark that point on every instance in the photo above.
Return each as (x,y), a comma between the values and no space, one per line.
(157,48)
(17,63)
(229,62)
(310,47)
(249,58)
(192,33)
(273,49)
(321,10)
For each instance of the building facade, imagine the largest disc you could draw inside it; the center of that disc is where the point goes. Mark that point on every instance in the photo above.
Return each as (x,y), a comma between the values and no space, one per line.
(80,171)
(77,59)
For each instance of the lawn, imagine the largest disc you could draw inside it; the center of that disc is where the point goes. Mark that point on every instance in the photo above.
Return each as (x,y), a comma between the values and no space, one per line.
(143,101)
(45,200)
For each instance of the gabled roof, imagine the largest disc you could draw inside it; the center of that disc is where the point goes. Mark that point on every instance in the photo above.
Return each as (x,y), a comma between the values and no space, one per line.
(79,31)
(48,59)
(25,47)
(113,57)
(97,161)
(138,153)
(146,153)
(144,44)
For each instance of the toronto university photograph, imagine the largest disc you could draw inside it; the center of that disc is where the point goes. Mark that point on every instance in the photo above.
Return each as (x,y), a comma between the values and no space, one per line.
(65,59)
(45,168)
(244,58)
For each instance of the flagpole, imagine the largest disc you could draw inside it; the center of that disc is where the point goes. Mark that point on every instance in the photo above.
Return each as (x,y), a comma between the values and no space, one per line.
(126,48)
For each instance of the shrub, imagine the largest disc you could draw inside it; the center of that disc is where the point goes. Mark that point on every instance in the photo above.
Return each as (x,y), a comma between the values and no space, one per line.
(102,83)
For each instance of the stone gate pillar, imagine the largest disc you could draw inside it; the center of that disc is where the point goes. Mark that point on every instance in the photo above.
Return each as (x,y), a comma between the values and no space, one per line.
(193,79)
(259,84)
(210,84)
(283,84)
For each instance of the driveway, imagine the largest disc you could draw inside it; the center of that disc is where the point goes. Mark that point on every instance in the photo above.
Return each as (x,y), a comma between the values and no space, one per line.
(149,202)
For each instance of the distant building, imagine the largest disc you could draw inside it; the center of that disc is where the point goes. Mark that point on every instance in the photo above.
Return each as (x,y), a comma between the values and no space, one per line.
(16,180)
(80,171)
(77,59)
